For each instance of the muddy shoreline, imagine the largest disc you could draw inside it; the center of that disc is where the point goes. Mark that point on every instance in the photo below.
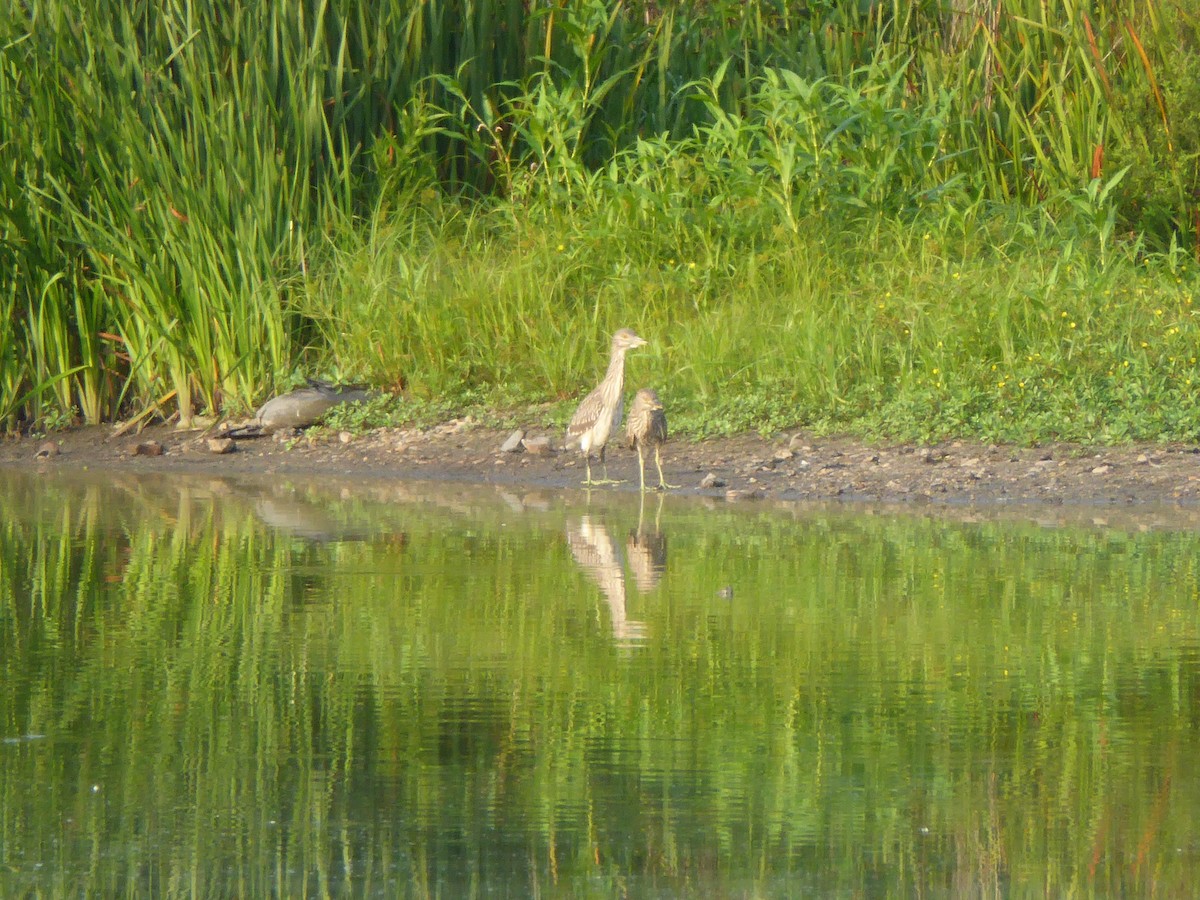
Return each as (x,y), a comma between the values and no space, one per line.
(794,466)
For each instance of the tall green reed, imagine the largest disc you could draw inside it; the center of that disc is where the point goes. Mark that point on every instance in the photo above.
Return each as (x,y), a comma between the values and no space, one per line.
(172,174)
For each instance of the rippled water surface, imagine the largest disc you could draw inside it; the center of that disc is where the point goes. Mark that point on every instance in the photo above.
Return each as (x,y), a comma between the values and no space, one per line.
(244,689)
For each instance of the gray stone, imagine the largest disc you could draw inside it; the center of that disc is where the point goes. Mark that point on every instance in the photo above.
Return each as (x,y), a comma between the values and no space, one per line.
(538,446)
(306,406)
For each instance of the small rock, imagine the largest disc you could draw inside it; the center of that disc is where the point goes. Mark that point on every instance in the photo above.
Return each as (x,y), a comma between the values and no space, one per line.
(726,593)
(928,455)
(783,455)
(220,445)
(1101,470)
(513,444)
(47,450)
(148,448)
(711,481)
(538,446)
(970,463)
(455,426)
(345,437)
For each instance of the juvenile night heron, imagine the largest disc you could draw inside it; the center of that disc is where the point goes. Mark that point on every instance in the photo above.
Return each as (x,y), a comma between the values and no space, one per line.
(600,412)
(646,428)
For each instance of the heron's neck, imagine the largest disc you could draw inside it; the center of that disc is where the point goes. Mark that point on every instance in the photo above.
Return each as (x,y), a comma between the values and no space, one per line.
(616,367)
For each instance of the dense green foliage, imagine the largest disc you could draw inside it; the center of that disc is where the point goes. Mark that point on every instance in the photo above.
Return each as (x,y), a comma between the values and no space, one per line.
(844,215)
(416,691)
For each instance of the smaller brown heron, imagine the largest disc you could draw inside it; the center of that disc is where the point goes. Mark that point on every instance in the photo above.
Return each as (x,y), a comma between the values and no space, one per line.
(646,428)
(600,412)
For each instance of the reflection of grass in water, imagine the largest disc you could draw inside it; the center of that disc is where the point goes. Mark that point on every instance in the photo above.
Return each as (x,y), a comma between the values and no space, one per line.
(252,706)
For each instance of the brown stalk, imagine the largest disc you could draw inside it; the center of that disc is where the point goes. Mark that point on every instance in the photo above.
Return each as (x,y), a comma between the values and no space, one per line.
(1158,98)
(1094,47)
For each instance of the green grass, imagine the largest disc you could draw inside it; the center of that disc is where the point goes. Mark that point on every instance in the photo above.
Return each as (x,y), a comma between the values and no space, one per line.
(996,324)
(461,201)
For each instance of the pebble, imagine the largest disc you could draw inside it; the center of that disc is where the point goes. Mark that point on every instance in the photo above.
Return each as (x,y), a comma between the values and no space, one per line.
(1101,470)
(513,444)
(220,445)
(47,450)
(711,481)
(345,437)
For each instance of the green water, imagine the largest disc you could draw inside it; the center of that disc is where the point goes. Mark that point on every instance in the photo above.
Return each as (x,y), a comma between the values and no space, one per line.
(227,689)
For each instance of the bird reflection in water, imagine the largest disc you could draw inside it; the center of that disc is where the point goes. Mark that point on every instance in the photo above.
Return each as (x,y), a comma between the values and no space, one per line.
(646,548)
(598,555)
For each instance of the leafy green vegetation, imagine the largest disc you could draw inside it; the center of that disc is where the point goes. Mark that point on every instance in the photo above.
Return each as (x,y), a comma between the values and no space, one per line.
(897,220)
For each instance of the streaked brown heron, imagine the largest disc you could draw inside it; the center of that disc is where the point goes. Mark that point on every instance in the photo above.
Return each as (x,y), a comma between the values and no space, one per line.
(600,412)
(646,429)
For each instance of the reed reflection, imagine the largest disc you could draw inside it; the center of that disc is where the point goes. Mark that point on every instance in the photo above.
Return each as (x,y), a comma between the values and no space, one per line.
(598,555)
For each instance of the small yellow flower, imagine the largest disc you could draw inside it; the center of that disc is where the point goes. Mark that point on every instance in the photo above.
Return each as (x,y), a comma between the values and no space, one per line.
(1072,324)
(561,248)
(1158,312)
(692,265)
(1021,385)
(1125,364)
(1144,345)
(1063,314)
(935,371)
